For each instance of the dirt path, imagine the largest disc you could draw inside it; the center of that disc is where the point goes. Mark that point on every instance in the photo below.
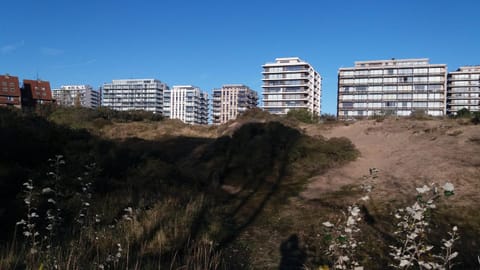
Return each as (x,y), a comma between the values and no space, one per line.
(408,154)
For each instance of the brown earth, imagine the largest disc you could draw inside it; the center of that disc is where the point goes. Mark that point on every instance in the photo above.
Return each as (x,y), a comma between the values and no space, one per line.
(408,154)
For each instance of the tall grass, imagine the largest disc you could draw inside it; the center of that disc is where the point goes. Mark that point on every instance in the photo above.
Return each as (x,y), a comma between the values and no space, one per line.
(156,238)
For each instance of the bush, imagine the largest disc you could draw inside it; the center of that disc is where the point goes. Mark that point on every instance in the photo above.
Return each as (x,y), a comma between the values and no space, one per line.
(303,115)
(463,113)
(475,118)
(418,114)
(327,117)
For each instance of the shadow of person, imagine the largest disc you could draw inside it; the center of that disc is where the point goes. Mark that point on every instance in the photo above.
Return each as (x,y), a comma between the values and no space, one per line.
(293,257)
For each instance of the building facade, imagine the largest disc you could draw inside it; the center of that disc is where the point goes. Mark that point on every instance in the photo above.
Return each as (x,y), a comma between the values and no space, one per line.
(77,95)
(10,94)
(134,94)
(36,92)
(463,89)
(187,103)
(291,83)
(397,87)
(230,101)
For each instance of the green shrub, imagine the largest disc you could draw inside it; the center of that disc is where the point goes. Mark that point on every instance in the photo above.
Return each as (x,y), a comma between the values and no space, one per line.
(303,115)
(328,118)
(463,113)
(475,118)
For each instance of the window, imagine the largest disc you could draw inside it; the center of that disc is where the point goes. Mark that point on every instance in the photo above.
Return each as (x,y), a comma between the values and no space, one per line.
(405,79)
(390,103)
(420,87)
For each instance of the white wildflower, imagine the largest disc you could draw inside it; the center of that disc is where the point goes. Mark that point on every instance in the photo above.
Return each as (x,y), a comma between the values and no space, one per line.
(365,198)
(423,189)
(404,263)
(453,255)
(47,190)
(448,187)
(418,215)
(327,224)
(21,222)
(350,221)
(355,211)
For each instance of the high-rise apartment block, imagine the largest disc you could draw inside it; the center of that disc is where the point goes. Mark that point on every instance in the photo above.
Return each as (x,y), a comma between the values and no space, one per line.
(463,89)
(187,103)
(36,92)
(291,83)
(10,94)
(77,95)
(138,94)
(230,101)
(396,87)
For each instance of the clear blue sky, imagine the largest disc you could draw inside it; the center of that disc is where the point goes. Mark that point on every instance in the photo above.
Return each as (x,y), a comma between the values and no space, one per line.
(210,43)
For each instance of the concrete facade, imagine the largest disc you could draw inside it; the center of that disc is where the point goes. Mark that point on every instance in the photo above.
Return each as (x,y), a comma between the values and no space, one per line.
(397,87)
(230,101)
(291,83)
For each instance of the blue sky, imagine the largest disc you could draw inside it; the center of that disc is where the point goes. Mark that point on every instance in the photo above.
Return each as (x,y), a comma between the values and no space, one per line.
(209,43)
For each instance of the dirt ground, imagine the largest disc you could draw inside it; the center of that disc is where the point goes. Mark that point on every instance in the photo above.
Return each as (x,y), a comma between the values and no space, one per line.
(407,153)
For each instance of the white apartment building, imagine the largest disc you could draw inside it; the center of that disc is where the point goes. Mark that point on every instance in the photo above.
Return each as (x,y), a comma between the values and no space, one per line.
(291,83)
(134,94)
(463,89)
(77,95)
(187,103)
(230,101)
(394,86)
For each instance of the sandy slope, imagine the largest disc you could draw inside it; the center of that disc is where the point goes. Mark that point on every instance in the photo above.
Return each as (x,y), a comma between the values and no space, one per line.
(408,153)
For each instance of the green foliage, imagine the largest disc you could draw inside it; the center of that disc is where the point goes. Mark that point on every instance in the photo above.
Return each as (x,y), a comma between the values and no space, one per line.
(94,119)
(475,118)
(328,118)
(303,115)
(463,113)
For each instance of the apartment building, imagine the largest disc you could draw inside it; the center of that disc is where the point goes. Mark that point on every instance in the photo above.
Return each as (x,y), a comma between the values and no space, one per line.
(393,86)
(230,101)
(291,83)
(77,95)
(10,94)
(134,94)
(36,92)
(187,103)
(463,89)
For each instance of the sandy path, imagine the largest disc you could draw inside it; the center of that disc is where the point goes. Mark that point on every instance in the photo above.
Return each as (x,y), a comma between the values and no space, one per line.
(407,154)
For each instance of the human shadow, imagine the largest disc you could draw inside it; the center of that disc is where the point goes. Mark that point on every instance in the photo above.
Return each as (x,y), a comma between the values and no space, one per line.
(293,256)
